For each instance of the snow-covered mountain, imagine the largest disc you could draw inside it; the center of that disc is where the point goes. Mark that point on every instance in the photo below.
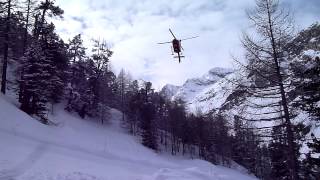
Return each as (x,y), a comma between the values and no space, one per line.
(169,90)
(198,92)
(75,149)
(218,91)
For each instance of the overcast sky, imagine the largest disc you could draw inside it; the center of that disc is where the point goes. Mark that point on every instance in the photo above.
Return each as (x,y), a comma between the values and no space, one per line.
(134,27)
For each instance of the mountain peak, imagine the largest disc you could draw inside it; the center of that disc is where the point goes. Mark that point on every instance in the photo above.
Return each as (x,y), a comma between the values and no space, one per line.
(194,86)
(169,90)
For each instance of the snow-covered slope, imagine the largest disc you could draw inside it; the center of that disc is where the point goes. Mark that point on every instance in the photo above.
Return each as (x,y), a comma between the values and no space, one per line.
(169,90)
(197,90)
(77,149)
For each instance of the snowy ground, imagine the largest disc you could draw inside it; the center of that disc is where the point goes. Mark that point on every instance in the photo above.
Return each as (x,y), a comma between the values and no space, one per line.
(79,149)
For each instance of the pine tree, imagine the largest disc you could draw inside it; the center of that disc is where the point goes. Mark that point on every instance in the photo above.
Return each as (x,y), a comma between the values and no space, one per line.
(266,55)
(218,144)
(29,10)
(278,146)
(55,51)
(7,7)
(123,83)
(177,116)
(100,60)
(307,82)
(45,8)
(76,53)
(134,100)
(311,164)
(35,78)
(80,70)
(147,115)
(245,145)
(147,125)
(101,56)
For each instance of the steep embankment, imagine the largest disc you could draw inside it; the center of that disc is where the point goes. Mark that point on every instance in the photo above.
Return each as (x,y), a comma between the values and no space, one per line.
(84,149)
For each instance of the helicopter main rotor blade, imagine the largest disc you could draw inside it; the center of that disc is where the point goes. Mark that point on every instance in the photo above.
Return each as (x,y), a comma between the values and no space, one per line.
(165,42)
(181,45)
(172,34)
(189,38)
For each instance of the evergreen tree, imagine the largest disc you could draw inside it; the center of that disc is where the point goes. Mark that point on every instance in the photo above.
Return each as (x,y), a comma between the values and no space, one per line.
(46,8)
(123,81)
(147,115)
(7,7)
(55,51)
(307,82)
(245,145)
(29,10)
(177,117)
(35,78)
(77,54)
(133,113)
(311,164)
(278,146)
(218,145)
(76,51)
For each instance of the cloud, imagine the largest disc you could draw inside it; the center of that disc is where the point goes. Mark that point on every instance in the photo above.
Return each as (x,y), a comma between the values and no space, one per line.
(134,28)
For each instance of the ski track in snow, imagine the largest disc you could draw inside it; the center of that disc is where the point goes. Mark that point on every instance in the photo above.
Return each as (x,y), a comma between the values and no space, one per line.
(24,165)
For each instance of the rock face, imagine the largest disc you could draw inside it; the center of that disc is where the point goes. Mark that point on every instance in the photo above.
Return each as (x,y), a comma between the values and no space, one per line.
(169,90)
(198,92)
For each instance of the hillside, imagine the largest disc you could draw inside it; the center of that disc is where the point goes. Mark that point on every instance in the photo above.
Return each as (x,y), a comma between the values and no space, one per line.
(84,149)
(217,89)
(198,92)
(224,95)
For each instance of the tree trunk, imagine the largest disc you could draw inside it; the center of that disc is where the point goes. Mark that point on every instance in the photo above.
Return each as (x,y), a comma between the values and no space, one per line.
(25,41)
(291,151)
(6,48)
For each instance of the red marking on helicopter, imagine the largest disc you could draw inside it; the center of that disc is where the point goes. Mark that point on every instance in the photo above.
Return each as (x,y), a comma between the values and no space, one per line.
(176,45)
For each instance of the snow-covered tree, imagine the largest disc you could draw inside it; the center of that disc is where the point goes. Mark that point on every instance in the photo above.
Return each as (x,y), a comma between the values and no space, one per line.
(76,50)
(35,78)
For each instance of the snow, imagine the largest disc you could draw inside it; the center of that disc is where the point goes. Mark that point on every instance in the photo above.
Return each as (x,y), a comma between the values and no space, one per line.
(312,40)
(213,97)
(195,87)
(207,92)
(83,149)
(169,90)
(311,53)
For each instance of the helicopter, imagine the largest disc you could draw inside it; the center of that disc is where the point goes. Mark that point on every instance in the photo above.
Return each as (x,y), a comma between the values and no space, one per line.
(176,45)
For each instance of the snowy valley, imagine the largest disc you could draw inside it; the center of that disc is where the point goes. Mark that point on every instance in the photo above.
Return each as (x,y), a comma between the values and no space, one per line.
(76,148)
(81,97)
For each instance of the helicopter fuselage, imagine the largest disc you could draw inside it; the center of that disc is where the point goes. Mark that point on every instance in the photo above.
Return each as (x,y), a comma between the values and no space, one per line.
(176,46)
